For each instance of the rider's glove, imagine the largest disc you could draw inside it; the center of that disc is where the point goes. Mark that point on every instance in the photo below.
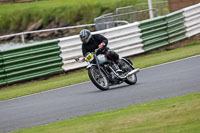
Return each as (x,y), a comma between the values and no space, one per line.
(83,59)
(101,46)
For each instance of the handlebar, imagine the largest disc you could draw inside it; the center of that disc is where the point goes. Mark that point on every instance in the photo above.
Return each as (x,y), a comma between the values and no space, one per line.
(98,51)
(77,59)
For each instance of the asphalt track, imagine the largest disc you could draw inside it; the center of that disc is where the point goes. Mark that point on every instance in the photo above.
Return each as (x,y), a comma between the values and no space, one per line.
(154,83)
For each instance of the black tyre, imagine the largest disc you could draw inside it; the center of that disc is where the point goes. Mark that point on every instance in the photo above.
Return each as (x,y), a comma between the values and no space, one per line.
(98,79)
(126,67)
(132,79)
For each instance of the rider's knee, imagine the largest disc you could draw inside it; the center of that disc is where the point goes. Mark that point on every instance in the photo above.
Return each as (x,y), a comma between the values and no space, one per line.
(113,55)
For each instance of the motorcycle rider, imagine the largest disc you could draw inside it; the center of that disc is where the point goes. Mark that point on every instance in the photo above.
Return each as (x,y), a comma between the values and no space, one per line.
(97,41)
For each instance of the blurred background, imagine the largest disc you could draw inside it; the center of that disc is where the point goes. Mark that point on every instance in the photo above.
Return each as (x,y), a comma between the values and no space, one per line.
(23,22)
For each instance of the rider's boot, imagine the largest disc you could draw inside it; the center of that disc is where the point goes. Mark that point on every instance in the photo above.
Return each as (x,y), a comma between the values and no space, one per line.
(116,68)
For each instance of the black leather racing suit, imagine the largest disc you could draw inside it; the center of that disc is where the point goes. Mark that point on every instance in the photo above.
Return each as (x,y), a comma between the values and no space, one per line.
(93,44)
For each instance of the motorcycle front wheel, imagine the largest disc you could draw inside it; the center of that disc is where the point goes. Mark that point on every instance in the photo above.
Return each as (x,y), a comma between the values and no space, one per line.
(99,79)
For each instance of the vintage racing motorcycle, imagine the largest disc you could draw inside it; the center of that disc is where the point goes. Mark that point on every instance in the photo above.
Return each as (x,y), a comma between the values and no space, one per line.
(102,74)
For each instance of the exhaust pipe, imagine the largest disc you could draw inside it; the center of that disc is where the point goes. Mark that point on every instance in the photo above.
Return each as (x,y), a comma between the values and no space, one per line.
(132,72)
(124,77)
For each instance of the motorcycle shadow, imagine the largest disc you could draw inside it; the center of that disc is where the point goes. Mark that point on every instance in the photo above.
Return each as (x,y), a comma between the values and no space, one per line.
(112,88)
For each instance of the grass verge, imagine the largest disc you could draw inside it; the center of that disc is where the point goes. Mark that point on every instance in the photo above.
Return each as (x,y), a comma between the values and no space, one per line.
(69,79)
(174,115)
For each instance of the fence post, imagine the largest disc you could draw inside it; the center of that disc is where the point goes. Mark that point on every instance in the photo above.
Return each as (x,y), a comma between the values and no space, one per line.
(23,39)
(150,9)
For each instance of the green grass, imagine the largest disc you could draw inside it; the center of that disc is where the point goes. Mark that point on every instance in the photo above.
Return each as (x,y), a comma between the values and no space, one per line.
(163,57)
(69,79)
(174,115)
(69,12)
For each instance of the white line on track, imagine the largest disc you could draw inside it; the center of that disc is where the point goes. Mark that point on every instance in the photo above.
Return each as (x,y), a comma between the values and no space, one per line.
(171,62)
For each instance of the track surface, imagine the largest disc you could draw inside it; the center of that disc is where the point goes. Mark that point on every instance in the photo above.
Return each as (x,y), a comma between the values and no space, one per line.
(154,83)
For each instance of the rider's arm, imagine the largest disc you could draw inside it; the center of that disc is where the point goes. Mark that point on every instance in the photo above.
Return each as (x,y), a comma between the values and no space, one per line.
(84,50)
(101,39)
(104,40)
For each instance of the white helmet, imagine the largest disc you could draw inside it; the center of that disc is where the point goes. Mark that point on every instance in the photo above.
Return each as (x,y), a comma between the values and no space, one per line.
(85,35)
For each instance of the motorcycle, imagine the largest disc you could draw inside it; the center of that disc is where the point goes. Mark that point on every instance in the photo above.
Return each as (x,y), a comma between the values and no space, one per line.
(102,74)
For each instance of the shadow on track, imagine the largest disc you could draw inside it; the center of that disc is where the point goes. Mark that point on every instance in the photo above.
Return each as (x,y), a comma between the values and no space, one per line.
(116,87)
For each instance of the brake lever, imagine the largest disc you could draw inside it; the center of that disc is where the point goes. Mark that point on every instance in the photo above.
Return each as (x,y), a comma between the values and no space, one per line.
(77,59)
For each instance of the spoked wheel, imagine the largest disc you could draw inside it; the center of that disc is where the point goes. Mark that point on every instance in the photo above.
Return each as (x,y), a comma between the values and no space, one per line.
(98,79)
(126,67)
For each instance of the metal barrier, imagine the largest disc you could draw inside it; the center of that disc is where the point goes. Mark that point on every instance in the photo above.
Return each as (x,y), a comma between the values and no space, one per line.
(125,9)
(154,33)
(108,20)
(163,30)
(131,14)
(161,6)
(175,26)
(192,20)
(2,72)
(30,62)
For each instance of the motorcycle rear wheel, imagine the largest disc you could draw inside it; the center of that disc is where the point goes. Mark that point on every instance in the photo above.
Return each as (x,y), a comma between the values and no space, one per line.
(99,79)
(132,79)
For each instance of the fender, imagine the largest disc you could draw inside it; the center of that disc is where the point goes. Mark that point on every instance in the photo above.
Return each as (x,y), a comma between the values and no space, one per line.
(90,65)
(128,61)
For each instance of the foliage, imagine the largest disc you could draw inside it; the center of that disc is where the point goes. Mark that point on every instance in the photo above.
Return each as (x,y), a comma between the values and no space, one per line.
(17,17)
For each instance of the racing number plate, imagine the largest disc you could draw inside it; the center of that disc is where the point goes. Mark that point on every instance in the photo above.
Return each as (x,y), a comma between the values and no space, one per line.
(89,58)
